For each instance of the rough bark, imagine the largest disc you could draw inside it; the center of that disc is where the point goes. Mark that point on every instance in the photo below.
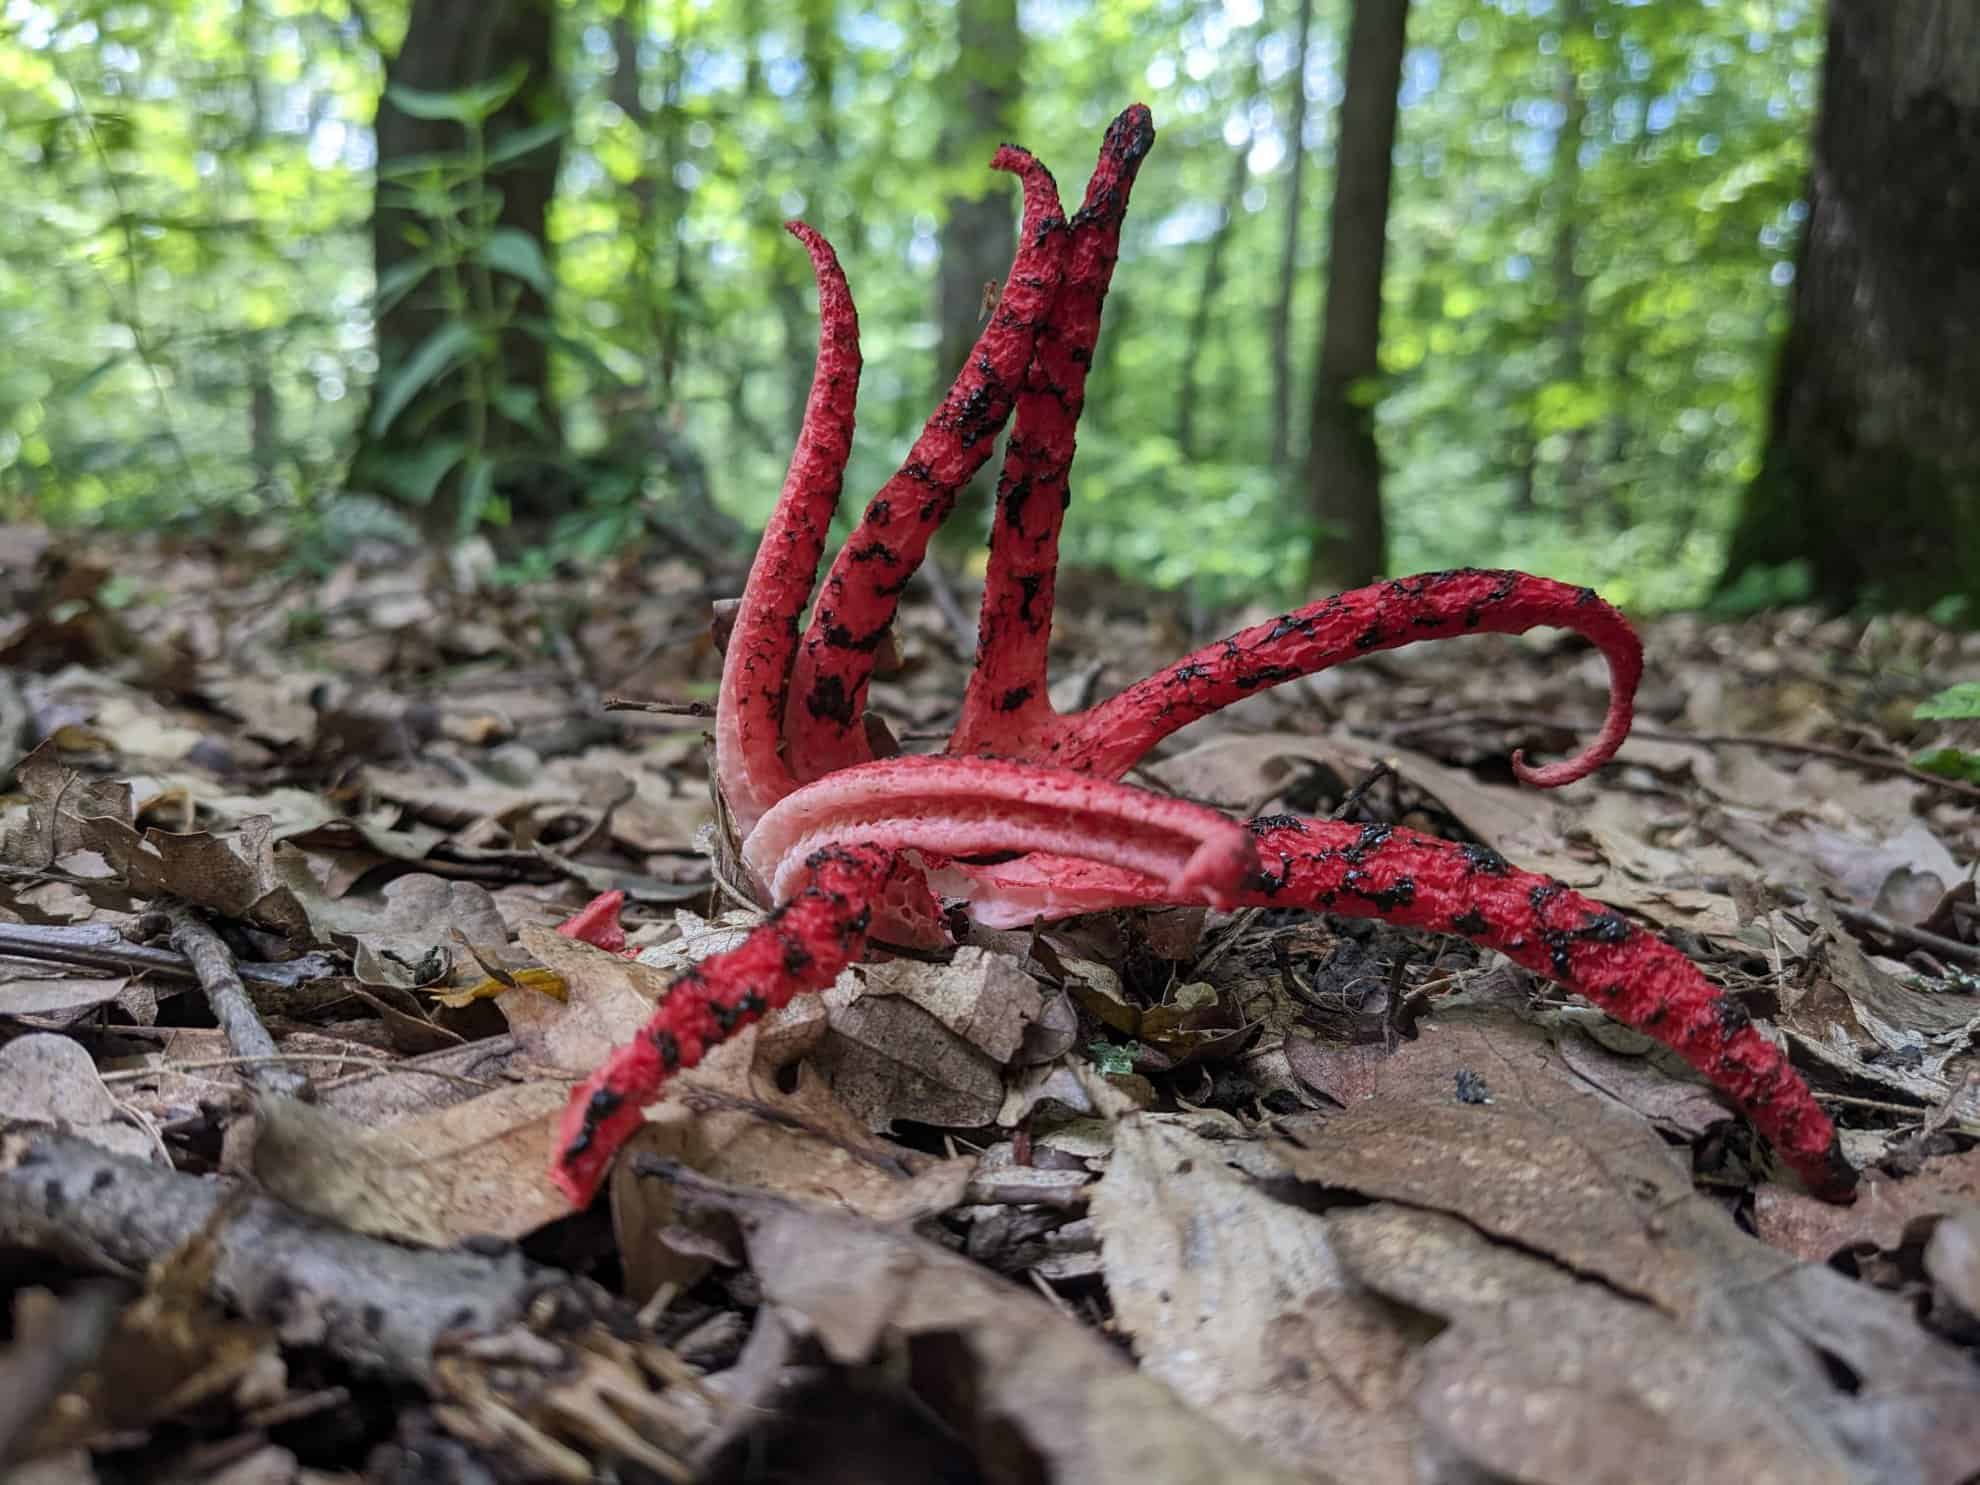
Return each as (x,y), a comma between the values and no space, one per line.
(1344,466)
(453,44)
(1872,468)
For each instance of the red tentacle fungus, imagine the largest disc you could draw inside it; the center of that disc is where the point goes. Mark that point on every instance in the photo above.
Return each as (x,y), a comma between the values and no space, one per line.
(1418,881)
(851,847)
(1006,694)
(801,946)
(756,670)
(963,807)
(823,727)
(1109,738)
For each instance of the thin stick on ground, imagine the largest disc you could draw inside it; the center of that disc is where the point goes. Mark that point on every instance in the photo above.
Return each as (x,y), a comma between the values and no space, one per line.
(232,1008)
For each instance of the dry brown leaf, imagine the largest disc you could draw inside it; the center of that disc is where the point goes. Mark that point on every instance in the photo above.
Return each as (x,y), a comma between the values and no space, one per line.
(887,1058)
(1235,1300)
(985,998)
(1011,1376)
(1599,1197)
(1814,1231)
(729,1120)
(51,1080)
(52,991)
(405,935)
(478,1167)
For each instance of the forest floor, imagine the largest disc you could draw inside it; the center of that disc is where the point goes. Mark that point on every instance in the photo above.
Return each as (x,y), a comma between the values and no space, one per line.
(1158,1198)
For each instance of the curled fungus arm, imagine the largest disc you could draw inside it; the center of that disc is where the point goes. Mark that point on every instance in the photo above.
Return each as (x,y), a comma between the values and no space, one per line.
(1109,738)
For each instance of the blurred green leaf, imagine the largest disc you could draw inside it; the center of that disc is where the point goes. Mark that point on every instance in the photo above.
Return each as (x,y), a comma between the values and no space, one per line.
(514,252)
(1950,763)
(415,477)
(473,105)
(439,352)
(515,143)
(1958,703)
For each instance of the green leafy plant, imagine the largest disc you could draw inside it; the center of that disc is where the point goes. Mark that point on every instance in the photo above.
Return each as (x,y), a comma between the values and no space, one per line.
(1959,703)
(477,268)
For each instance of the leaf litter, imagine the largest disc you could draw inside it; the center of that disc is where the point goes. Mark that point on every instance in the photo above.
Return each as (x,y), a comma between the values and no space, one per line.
(1168,1196)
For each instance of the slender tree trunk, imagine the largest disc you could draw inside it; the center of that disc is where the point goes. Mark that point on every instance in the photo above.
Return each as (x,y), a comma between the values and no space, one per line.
(1344,466)
(1872,468)
(1570,293)
(450,45)
(264,406)
(1189,386)
(1281,328)
(981,231)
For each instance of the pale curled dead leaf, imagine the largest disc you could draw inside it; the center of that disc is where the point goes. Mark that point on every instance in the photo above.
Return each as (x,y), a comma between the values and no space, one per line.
(890,1059)
(985,998)
(1235,1300)
(50,1079)
(729,1120)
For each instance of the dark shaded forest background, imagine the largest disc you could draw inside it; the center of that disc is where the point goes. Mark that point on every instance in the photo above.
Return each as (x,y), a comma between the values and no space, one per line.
(1681,299)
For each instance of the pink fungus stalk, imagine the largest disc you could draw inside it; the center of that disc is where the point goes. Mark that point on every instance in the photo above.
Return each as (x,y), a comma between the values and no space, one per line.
(848,848)
(756,669)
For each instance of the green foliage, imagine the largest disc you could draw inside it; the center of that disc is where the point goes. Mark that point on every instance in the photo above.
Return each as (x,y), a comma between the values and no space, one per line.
(1960,703)
(1950,763)
(1111,1059)
(1592,231)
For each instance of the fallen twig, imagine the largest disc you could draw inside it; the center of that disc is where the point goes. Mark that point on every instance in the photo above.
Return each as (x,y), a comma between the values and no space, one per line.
(1865,921)
(375,1304)
(232,1008)
(99,946)
(658,708)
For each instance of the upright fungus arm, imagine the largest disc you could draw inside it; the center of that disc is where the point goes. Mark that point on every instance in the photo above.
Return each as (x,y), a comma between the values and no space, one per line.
(824,726)
(1006,695)
(756,671)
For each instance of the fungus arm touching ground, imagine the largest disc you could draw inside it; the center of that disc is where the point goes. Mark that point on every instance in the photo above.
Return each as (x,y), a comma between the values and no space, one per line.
(829,875)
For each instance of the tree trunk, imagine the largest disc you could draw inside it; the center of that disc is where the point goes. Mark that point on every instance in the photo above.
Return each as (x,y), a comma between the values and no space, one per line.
(1282,367)
(1872,469)
(450,45)
(1344,468)
(980,234)
(1570,292)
